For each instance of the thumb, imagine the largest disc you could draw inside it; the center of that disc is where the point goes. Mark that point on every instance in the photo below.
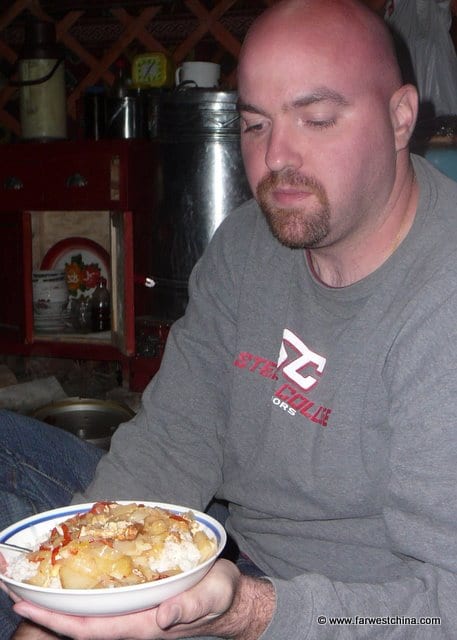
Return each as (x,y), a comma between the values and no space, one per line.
(210,598)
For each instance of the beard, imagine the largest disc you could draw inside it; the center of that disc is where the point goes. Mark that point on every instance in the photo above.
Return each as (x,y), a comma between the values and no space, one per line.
(295,227)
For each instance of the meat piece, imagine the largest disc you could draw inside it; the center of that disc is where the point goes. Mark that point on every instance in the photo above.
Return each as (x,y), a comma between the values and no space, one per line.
(121,530)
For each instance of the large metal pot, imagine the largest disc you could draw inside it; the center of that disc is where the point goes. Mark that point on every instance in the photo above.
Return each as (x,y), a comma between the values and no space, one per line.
(89,419)
(200,178)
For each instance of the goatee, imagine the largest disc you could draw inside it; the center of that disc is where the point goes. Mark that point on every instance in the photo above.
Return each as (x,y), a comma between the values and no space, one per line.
(295,227)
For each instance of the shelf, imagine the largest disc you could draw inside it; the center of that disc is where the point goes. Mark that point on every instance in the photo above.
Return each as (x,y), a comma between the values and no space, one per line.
(102,337)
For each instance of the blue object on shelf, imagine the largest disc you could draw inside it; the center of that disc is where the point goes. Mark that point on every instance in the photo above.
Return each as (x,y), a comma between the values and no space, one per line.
(444,159)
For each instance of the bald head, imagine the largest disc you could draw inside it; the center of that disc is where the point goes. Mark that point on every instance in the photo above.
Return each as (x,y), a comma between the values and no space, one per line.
(346,32)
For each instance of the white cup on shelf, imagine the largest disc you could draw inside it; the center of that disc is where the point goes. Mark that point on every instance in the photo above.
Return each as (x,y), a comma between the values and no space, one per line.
(198,74)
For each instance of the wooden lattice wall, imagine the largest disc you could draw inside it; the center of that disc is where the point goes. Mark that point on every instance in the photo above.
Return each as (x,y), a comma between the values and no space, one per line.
(186,29)
(97,32)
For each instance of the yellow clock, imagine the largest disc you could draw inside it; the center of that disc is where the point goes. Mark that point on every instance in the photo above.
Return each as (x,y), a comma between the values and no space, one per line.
(153,69)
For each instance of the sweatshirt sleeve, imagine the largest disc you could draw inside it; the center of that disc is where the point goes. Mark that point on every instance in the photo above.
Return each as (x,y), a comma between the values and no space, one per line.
(420,505)
(171,451)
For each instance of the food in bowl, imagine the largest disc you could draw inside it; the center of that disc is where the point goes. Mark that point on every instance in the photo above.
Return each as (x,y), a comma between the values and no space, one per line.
(31,531)
(115,545)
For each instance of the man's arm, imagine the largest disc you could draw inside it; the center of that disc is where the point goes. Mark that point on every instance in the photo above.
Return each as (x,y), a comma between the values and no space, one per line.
(252,609)
(247,617)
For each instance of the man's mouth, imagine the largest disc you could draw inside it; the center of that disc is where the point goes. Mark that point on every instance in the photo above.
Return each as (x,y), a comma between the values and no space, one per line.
(287,197)
(289,190)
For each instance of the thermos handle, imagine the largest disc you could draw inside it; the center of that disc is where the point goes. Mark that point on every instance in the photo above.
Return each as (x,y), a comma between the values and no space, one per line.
(28,83)
(177,76)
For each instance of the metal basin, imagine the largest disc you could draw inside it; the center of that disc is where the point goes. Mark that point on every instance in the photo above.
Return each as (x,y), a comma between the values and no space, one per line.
(89,419)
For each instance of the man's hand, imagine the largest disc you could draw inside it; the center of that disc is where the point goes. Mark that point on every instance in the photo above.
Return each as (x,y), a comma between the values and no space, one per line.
(223,604)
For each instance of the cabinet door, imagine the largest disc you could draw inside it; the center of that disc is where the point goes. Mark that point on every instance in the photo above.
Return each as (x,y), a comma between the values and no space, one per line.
(15,278)
(123,324)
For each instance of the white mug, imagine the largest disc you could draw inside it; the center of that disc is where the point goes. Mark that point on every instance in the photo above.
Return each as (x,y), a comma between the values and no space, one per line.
(199,74)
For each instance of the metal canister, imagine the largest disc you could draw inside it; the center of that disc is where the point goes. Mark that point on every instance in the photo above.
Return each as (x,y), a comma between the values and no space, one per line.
(126,116)
(94,113)
(201,177)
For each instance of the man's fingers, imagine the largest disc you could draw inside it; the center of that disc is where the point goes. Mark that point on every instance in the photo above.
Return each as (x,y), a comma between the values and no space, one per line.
(208,599)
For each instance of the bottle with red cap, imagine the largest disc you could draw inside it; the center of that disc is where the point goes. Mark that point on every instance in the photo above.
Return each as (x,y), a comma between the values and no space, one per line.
(122,81)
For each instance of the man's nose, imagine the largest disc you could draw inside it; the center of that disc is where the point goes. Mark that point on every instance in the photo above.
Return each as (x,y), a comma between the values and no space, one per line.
(283,150)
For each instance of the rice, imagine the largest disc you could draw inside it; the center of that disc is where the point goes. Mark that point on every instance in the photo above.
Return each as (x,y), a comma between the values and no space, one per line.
(21,569)
(183,554)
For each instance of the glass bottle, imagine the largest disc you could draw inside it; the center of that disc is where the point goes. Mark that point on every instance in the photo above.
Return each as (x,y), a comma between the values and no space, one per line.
(101,307)
(122,81)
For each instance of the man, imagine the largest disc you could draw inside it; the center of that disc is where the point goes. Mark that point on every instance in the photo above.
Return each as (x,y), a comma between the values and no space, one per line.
(311,383)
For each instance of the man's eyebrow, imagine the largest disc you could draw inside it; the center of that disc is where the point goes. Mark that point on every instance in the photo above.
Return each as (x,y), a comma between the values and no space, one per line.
(249,108)
(320,95)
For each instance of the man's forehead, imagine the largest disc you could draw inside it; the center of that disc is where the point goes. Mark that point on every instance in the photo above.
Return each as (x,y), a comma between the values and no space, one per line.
(318,95)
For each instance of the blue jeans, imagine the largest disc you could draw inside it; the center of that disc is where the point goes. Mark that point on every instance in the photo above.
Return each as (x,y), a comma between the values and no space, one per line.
(41,467)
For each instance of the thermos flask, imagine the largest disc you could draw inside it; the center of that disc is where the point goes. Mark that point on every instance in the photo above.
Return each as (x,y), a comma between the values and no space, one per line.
(42,95)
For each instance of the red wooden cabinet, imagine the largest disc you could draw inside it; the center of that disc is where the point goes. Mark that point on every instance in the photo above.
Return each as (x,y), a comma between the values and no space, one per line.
(110,177)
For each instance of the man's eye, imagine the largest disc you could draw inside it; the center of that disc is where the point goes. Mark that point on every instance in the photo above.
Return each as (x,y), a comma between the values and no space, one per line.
(321,124)
(252,128)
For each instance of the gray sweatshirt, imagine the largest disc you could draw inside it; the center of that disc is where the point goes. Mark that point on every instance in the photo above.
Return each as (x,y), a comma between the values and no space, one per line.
(326,417)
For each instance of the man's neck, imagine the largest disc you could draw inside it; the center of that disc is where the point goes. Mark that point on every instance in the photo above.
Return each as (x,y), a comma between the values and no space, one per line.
(340,266)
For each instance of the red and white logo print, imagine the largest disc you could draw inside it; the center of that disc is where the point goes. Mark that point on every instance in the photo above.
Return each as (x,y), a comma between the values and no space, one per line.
(299,370)
(306,361)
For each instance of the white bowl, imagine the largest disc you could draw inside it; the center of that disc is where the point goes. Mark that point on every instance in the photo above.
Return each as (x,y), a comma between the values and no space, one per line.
(110,601)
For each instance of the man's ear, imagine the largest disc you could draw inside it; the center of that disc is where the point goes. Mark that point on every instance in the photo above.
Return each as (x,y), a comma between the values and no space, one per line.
(404,105)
